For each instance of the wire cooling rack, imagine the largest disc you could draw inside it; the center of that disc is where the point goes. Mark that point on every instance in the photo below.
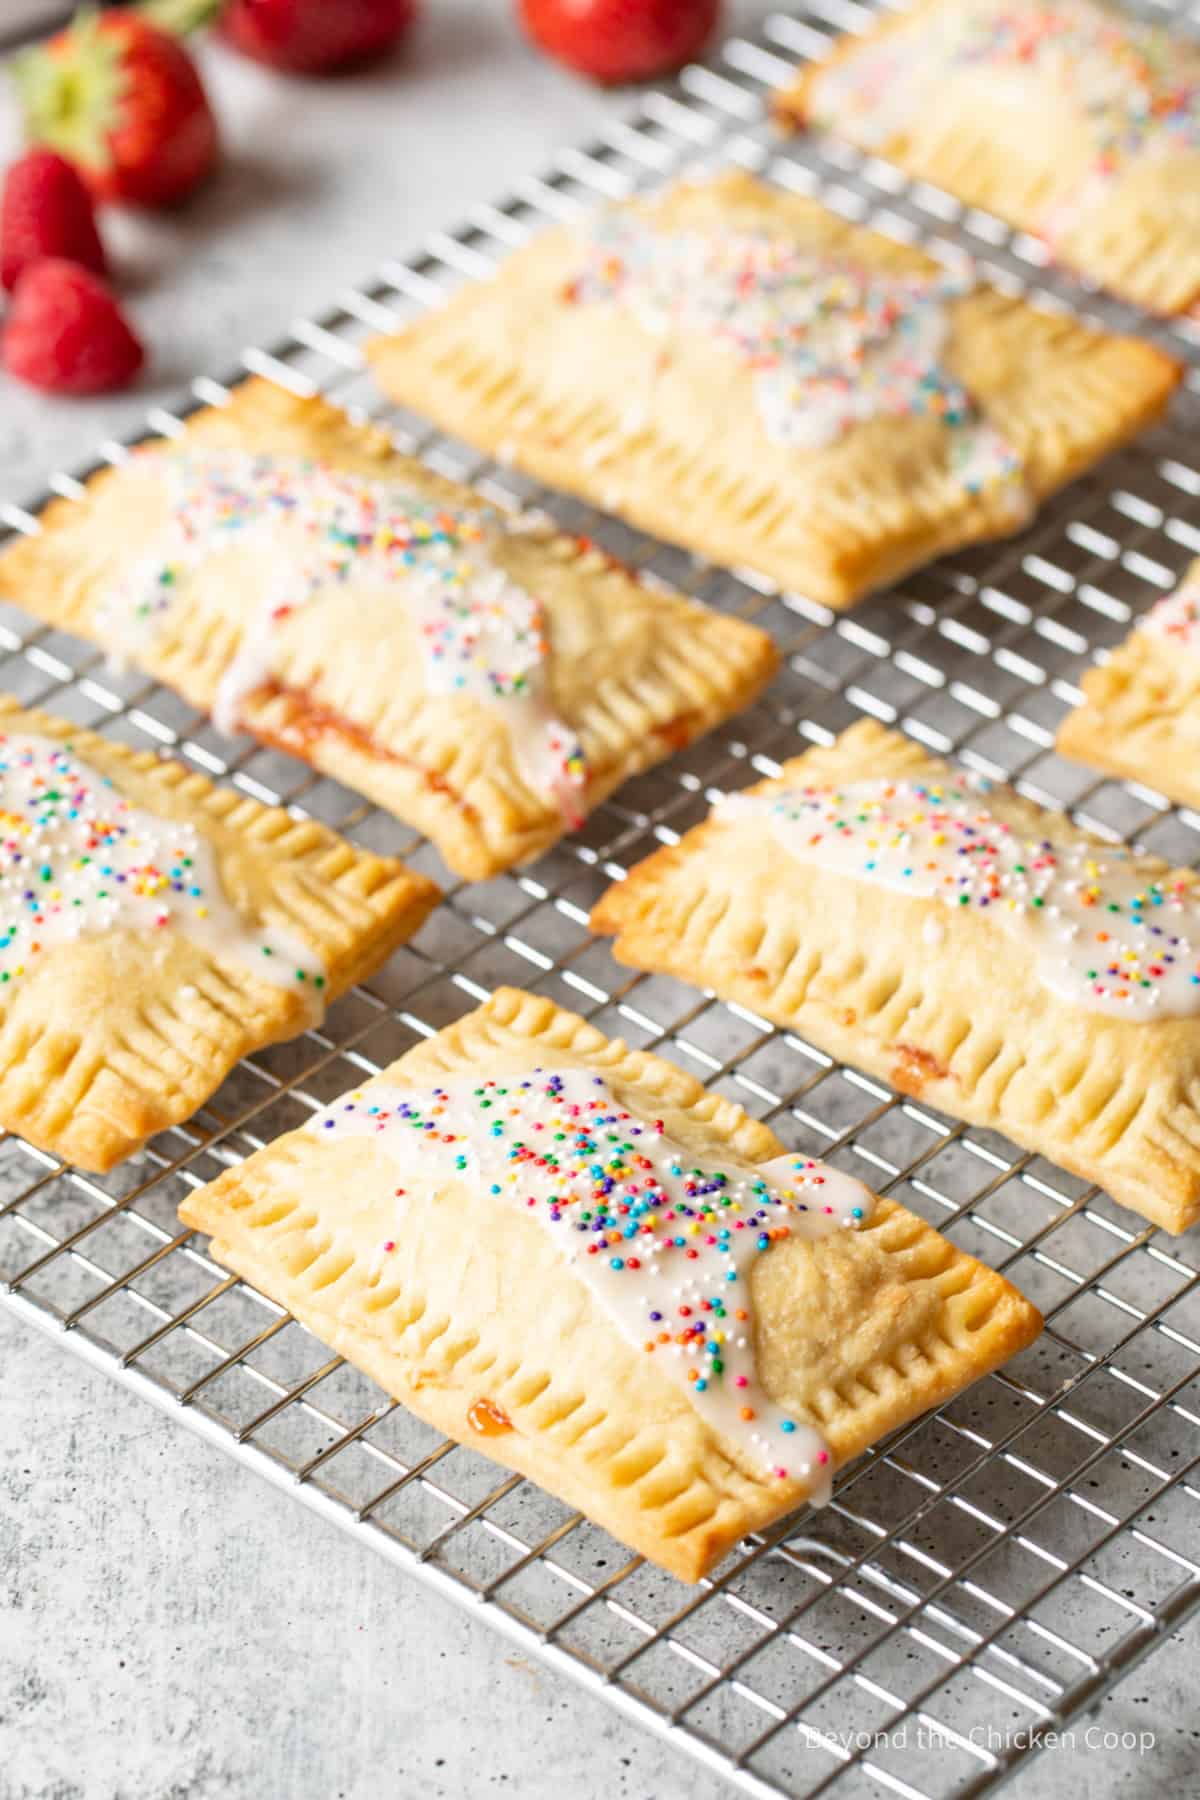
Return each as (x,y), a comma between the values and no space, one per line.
(987,1574)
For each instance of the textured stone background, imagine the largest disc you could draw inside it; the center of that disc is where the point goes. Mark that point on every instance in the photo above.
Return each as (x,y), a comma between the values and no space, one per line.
(170,1627)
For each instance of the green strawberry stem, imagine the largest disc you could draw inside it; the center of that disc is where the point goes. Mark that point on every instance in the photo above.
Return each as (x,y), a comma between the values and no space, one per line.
(70,99)
(179,16)
(71,96)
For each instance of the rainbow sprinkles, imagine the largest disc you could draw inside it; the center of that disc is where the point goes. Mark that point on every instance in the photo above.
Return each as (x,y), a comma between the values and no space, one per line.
(1131,89)
(666,1246)
(1123,75)
(320,531)
(78,860)
(831,344)
(1105,933)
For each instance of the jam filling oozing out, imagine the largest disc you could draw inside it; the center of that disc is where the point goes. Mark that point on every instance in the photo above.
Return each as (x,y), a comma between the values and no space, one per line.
(320,530)
(665,1240)
(1108,930)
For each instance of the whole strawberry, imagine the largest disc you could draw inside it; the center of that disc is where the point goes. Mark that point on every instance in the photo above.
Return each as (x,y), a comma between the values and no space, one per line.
(620,40)
(310,37)
(46,211)
(124,101)
(66,334)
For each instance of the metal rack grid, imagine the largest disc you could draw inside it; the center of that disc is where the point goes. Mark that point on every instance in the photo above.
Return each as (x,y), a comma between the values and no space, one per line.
(989,1572)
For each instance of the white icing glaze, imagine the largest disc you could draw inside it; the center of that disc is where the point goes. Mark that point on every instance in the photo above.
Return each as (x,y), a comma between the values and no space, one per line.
(933,932)
(832,343)
(871,91)
(1107,930)
(1176,621)
(77,859)
(1129,85)
(665,1247)
(312,529)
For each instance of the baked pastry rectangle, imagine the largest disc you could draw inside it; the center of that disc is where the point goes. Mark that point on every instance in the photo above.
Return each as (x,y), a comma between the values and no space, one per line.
(485,678)
(737,369)
(960,942)
(501,1230)
(1140,715)
(1071,119)
(155,928)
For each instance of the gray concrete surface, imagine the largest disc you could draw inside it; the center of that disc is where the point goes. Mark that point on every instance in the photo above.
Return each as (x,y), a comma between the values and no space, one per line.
(170,1627)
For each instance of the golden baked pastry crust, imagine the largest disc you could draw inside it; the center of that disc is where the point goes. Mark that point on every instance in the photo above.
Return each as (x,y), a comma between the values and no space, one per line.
(510,365)
(1012,141)
(118,1035)
(954,1013)
(1140,715)
(856,1333)
(636,672)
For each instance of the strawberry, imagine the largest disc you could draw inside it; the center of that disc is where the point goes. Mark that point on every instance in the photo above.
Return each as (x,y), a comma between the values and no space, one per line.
(66,333)
(46,211)
(620,40)
(311,36)
(123,100)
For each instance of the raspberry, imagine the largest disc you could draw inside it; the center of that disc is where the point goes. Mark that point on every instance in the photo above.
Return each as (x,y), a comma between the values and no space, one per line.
(46,211)
(66,334)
